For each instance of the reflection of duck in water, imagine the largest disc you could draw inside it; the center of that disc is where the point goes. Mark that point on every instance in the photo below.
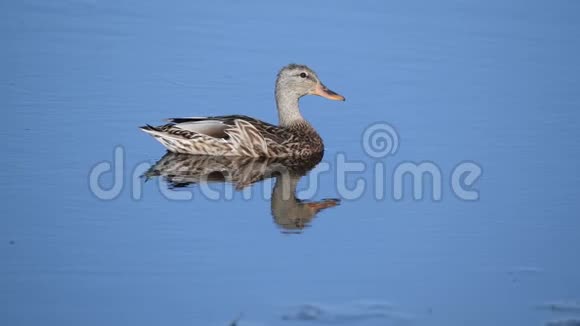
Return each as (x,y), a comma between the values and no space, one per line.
(289,212)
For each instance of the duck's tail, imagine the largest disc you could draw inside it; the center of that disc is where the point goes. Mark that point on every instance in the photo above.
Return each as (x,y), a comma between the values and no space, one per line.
(150,129)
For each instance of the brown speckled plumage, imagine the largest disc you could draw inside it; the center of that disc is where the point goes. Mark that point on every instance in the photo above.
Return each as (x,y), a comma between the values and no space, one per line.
(238,135)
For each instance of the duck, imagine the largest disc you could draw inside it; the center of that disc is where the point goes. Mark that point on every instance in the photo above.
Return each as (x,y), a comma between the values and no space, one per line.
(240,135)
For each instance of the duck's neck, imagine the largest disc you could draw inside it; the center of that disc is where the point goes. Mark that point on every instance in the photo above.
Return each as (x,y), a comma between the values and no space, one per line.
(288,110)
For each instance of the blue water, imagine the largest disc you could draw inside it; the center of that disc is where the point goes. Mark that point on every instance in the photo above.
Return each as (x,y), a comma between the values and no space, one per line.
(494,83)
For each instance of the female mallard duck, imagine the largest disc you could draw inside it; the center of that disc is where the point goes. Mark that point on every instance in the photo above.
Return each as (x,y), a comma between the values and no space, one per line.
(238,135)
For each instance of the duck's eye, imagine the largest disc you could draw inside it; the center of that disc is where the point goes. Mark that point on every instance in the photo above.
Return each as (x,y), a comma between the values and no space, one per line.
(303,75)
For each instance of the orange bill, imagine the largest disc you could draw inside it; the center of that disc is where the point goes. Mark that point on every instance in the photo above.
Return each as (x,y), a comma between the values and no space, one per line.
(323,91)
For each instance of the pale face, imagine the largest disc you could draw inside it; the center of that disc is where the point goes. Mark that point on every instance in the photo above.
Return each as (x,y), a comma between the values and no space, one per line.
(301,81)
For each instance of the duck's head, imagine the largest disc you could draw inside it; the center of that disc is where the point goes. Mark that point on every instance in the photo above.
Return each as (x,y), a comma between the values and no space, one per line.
(299,80)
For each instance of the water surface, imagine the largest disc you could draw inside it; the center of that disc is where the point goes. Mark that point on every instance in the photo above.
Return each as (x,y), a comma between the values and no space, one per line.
(491,82)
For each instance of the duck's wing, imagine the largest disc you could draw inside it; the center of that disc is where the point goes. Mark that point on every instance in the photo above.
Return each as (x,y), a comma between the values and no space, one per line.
(223,135)
(224,126)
